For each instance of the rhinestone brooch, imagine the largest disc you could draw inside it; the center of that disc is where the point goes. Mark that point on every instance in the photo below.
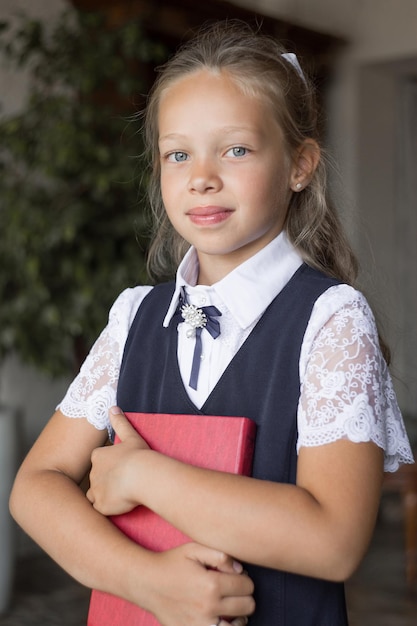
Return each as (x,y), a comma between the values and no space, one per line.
(194,317)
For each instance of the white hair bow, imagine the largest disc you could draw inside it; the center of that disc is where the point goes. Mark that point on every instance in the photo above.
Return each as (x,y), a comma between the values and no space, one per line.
(292,58)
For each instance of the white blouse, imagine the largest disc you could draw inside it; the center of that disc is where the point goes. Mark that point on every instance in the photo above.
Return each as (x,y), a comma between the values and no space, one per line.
(346,388)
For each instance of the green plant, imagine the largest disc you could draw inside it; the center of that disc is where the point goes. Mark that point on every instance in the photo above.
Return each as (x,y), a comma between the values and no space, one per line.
(73,222)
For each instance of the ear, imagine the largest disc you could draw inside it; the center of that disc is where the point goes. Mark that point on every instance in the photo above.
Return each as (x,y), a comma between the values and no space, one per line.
(305,161)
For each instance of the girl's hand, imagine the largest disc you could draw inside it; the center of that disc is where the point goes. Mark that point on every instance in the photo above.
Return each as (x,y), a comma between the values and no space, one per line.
(192,584)
(113,475)
(196,585)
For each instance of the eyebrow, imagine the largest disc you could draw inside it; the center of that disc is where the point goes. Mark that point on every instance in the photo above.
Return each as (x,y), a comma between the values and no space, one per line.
(227,130)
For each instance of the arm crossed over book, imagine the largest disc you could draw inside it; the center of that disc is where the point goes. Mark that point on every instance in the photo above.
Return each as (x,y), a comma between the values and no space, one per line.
(219,443)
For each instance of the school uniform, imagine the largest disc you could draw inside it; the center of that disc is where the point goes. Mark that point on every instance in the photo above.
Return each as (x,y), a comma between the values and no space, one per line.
(273,312)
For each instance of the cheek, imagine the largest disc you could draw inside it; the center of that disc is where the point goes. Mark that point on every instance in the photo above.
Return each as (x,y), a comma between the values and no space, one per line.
(266,191)
(170,199)
(163,182)
(167,188)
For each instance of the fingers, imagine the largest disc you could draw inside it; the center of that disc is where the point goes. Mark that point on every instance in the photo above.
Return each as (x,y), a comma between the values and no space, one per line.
(195,590)
(214,559)
(238,621)
(233,587)
(90,495)
(236,586)
(237,598)
(121,424)
(228,565)
(240,605)
(113,474)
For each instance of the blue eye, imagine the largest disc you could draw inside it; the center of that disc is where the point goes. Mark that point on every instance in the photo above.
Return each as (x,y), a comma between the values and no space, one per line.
(237,151)
(177,157)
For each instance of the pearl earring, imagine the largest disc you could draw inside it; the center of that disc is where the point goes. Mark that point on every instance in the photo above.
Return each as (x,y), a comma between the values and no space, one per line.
(298,186)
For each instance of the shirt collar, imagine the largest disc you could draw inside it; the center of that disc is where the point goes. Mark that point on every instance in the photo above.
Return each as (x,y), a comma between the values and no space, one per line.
(250,288)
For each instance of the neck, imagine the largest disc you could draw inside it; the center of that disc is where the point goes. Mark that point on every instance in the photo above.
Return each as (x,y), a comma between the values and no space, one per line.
(213,268)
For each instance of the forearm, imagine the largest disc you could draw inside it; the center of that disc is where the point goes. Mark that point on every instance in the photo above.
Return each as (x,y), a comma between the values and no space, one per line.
(321,526)
(191,584)
(275,525)
(53,510)
(248,518)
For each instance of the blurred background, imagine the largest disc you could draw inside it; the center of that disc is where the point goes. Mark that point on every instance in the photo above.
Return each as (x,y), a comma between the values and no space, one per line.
(74,226)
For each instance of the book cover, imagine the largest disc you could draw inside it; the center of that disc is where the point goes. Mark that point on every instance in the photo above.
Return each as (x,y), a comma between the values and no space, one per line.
(220,443)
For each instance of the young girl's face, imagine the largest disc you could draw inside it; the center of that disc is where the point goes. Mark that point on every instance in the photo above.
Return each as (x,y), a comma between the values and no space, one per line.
(225,174)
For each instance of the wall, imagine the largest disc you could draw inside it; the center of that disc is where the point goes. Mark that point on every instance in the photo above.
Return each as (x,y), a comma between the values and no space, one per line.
(374,77)
(378,29)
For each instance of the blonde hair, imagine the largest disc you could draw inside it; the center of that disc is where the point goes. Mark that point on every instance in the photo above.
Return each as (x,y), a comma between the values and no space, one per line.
(256,63)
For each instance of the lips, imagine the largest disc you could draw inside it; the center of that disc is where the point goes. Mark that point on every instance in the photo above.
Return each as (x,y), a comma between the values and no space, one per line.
(207,210)
(207,215)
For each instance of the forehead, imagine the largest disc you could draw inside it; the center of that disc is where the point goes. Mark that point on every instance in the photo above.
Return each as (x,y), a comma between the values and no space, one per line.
(213,95)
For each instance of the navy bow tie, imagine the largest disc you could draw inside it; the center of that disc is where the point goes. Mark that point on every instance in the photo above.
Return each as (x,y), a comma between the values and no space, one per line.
(198,319)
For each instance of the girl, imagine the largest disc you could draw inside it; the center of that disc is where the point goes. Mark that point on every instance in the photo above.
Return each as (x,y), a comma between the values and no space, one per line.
(238,183)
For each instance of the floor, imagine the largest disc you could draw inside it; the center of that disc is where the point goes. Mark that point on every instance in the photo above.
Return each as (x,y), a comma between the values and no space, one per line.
(377,594)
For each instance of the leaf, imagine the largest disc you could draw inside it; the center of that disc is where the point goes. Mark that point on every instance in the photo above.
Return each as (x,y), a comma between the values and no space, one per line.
(73,219)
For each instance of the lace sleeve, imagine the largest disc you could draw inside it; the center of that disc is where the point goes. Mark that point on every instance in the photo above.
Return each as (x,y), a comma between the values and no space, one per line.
(346,388)
(93,391)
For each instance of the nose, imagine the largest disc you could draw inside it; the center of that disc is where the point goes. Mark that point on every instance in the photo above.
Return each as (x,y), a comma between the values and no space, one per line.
(204,176)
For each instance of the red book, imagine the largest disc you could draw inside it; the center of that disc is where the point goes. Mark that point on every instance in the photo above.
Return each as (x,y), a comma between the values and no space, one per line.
(220,443)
